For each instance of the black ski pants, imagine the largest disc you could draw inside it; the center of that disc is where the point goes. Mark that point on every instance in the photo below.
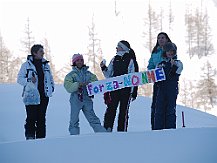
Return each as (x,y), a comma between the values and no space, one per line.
(122,98)
(35,126)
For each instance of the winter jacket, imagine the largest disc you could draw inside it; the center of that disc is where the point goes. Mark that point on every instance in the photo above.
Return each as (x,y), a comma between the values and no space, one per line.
(155,59)
(76,76)
(28,70)
(167,92)
(121,64)
(171,72)
(79,99)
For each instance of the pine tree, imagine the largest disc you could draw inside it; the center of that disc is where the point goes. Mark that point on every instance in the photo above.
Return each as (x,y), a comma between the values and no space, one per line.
(170,17)
(190,29)
(199,33)
(152,24)
(192,94)
(146,89)
(28,40)
(207,88)
(184,92)
(14,67)
(49,57)
(4,62)
(9,66)
(187,93)
(94,52)
(63,72)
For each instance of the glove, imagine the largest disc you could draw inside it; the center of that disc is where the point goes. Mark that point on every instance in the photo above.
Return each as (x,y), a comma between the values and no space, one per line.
(107,98)
(91,96)
(104,68)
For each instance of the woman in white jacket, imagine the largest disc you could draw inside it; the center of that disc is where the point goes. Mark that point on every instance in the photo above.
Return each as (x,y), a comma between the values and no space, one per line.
(37,71)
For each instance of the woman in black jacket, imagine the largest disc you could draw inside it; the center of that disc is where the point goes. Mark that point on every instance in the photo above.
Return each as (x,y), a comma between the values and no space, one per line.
(123,62)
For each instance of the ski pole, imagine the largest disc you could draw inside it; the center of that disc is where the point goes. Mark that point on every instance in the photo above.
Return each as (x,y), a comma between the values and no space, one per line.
(183,119)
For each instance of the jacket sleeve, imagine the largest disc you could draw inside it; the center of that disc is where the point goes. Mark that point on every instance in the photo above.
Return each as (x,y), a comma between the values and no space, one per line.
(93,78)
(135,68)
(176,69)
(21,77)
(51,78)
(69,83)
(52,82)
(108,71)
(180,67)
(131,67)
(151,63)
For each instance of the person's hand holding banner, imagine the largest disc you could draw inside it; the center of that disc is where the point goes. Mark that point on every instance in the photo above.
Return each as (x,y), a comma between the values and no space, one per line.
(127,80)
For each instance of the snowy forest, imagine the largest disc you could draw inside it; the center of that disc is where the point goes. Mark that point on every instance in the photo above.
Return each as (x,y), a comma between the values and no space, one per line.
(198,47)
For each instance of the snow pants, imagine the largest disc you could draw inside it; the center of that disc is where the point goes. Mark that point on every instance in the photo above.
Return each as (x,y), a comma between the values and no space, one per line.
(35,126)
(165,109)
(122,98)
(153,105)
(87,107)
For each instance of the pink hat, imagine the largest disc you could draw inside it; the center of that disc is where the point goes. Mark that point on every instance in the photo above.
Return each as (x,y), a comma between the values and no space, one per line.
(76,57)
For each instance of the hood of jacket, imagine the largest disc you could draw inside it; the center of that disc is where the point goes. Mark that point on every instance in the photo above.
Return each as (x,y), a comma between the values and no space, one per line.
(30,58)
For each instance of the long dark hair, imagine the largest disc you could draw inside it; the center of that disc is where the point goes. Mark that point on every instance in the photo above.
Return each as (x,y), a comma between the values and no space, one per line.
(154,50)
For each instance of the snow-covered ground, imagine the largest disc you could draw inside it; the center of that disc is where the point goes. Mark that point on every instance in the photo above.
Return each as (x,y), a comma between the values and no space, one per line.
(196,143)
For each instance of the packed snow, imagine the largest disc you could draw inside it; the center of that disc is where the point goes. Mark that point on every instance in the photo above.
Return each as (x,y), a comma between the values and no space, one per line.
(195,143)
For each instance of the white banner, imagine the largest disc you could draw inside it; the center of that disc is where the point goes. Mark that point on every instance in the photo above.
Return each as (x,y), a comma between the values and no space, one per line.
(127,80)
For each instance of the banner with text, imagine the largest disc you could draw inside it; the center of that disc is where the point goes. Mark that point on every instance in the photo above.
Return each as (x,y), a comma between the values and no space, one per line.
(127,80)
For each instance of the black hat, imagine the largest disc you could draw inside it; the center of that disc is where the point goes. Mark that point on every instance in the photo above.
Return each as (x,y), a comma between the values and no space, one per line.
(170,46)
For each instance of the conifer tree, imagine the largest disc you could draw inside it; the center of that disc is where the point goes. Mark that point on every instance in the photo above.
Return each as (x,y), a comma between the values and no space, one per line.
(4,61)
(198,33)
(49,57)
(207,88)
(94,53)
(28,40)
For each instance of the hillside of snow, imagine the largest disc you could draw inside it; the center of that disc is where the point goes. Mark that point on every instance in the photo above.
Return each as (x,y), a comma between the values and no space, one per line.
(195,143)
